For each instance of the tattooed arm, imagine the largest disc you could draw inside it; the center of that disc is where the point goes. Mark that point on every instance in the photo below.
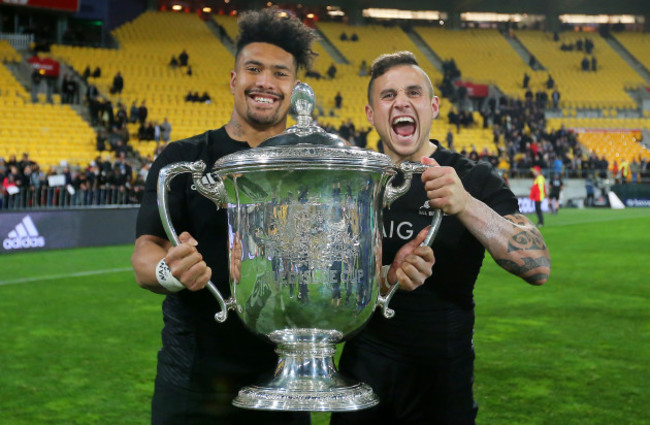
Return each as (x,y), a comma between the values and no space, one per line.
(513,241)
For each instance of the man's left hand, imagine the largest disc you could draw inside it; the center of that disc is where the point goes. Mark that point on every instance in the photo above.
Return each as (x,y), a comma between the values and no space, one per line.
(444,188)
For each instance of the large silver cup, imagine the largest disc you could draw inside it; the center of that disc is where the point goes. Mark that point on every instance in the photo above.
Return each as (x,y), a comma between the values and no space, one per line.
(305,240)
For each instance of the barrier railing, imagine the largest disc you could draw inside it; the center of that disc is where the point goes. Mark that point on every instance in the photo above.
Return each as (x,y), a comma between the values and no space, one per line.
(62,198)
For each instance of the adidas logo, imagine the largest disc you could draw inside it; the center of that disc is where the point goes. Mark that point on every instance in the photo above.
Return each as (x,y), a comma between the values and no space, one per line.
(25,235)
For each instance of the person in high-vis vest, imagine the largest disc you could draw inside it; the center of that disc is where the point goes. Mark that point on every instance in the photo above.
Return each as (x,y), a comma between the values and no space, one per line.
(538,194)
(625,171)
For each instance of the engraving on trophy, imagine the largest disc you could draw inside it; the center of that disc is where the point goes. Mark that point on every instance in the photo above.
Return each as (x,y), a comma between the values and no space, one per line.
(305,235)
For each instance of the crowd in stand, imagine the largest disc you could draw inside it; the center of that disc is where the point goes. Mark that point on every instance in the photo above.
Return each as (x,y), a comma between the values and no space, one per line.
(105,180)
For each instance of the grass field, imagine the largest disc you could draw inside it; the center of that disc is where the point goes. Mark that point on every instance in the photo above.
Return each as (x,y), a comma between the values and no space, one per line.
(78,338)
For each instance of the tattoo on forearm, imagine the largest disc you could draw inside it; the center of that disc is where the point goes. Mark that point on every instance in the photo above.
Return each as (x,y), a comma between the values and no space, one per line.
(526,240)
(529,264)
(529,239)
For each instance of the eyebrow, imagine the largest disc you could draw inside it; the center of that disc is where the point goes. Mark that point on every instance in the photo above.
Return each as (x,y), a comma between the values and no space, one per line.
(258,63)
(412,87)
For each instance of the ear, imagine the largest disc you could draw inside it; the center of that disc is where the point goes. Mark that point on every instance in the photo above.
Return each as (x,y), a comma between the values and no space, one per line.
(370,115)
(233,77)
(435,106)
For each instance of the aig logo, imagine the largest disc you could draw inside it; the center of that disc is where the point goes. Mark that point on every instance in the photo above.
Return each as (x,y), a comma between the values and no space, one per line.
(25,235)
(403,230)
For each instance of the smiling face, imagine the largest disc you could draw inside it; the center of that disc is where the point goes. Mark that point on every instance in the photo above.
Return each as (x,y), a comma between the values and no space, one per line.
(261,85)
(402,110)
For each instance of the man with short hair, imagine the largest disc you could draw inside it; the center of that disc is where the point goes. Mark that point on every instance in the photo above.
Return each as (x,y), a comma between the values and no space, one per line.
(420,362)
(203,364)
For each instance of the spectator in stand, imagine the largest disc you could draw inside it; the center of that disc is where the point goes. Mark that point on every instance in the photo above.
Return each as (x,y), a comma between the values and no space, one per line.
(312,73)
(343,36)
(635,171)
(363,69)
(450,139)
(97,72)
(189,71)
(594,64)
(101,140)
(86,73)
(555,98)
(604,167)
(331,71)
(183,58)
(526,80)
(550,82)
(118,84)
(205,97)
(134,113)
(166,130)
(65,96)
(156,132)
(338,100)
(354,37)
(142,113)
(174,62)
(121,117)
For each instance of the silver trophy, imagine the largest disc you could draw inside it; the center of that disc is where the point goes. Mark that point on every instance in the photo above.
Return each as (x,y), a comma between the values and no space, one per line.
(305,240)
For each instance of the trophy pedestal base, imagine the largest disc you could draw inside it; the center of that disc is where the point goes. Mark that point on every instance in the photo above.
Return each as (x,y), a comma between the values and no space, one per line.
(306,379)
(347,399)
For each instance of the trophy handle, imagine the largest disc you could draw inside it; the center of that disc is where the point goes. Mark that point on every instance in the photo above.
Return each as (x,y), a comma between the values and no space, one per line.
(392,193)
(215,193)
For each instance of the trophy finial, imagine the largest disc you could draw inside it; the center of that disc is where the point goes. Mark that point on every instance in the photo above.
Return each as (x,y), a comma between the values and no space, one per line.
(302,101)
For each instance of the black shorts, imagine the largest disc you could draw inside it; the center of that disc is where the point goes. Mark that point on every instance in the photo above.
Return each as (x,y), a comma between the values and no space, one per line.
(172,405)
(411,390)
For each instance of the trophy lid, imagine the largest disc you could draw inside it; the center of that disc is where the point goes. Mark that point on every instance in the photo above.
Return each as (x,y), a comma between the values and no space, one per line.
(304,132)
(304,146)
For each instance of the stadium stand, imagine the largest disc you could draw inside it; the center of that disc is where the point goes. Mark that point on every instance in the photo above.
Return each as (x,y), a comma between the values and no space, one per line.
(638,44)
(483,56)
(53,133)
(600,89)
(147,45)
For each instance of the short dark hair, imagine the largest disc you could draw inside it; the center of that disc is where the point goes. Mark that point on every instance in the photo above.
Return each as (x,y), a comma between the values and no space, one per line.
(285,31)
(390,60)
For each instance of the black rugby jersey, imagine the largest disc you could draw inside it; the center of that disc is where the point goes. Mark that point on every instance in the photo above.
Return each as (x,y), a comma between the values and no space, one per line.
(195,347)
(443,308)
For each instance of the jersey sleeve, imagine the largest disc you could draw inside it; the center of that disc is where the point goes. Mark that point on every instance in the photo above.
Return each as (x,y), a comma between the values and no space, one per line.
(495,193)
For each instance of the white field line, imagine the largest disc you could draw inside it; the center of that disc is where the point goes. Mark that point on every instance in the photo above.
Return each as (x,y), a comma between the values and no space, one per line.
(66,275)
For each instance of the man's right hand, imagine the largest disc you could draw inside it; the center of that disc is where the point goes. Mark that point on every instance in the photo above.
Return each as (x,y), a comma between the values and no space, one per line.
(187,265)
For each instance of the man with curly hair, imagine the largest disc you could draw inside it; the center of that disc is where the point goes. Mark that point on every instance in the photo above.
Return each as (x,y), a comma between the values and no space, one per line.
(203,364)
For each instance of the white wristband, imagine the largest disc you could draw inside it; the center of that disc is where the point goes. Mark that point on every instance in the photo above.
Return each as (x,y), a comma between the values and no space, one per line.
(166,278)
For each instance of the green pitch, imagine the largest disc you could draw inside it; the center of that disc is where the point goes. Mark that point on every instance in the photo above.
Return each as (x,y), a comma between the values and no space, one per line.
(78,338)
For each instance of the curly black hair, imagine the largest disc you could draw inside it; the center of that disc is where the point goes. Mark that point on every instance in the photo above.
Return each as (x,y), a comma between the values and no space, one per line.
(272,26)
(390,60)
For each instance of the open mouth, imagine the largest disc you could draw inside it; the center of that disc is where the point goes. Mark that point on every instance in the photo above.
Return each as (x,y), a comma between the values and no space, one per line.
(263,98)
(404,126)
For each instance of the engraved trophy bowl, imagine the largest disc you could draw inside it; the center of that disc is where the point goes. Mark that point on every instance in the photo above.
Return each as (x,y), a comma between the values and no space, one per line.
(304,223)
